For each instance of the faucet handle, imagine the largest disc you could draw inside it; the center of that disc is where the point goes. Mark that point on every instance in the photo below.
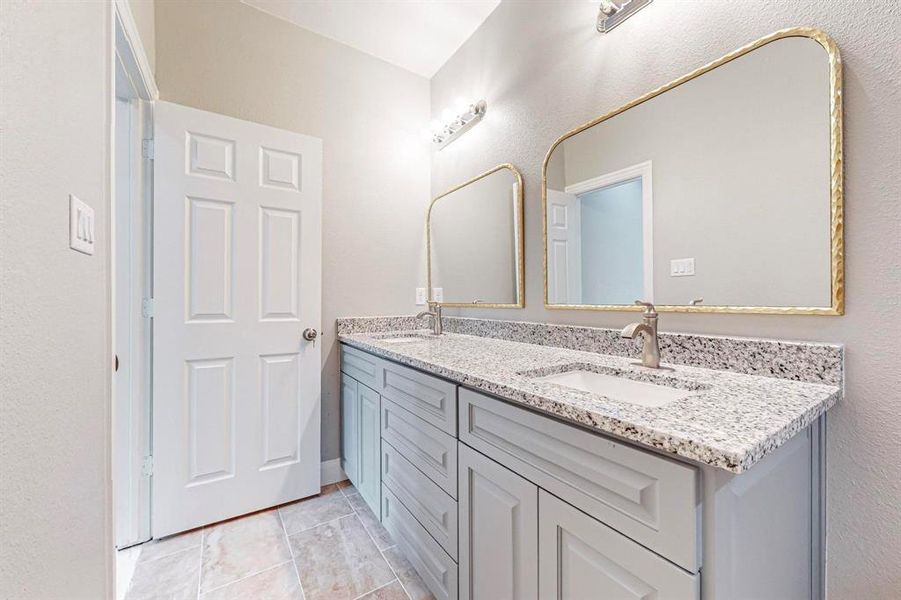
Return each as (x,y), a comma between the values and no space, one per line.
(649,309)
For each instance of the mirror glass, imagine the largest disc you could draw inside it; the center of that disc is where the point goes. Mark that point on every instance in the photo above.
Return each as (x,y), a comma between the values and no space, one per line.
(716,194)
(475,241)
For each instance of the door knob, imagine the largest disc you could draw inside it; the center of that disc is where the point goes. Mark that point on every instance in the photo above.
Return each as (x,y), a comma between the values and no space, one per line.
(310,334)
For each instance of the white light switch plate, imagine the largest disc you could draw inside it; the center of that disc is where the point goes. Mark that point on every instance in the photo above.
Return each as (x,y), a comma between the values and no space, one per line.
(420,296)
(682,267)
(81,226)
(438,294)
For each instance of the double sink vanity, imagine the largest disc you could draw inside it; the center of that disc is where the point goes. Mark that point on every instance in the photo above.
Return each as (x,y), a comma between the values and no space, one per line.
(515,460)
(506,469)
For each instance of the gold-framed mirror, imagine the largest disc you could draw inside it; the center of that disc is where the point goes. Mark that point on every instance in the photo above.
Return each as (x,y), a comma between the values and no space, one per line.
(474,242)
(718,192)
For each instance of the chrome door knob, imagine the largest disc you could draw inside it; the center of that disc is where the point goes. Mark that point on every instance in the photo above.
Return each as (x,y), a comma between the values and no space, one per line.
(310,334)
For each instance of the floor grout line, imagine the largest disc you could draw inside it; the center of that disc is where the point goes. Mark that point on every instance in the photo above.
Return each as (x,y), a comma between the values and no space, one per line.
(380,587)
(303,594)
(200,562)
(382,553)
(248,576)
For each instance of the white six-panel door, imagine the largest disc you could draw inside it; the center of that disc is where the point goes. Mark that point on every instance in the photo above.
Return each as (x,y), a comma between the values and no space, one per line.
(237,279)
(564,248)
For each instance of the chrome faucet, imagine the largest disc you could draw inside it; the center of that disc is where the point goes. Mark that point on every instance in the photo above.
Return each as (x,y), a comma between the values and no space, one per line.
(650,351)
(435,314)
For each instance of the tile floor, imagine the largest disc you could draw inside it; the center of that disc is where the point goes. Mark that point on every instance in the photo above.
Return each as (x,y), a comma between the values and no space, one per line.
(330,547)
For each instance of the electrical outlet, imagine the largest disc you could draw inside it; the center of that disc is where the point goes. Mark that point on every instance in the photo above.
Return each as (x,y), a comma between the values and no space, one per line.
(420,297)
(438,294)
(81,226)
(682,267)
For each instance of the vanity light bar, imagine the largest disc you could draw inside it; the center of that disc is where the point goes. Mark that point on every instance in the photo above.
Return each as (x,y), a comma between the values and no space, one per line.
(454,125)
(612,13)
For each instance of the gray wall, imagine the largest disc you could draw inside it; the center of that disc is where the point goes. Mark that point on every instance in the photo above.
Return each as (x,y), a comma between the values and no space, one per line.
(232,59)
(55,503)
(544,69)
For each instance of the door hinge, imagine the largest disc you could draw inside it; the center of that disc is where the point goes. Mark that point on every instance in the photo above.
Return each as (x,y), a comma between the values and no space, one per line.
(147,149)
(147,467)
(147,308)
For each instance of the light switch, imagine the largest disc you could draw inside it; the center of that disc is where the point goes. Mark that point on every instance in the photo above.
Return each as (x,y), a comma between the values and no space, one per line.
(438,294)
(682,267)
(420,296)
(81,226)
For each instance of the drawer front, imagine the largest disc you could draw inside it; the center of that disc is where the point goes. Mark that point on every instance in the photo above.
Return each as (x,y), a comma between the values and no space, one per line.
(583,558)
(432,507)
(649,498)
(431,399)
(362,366)
(429,449)
(437,570)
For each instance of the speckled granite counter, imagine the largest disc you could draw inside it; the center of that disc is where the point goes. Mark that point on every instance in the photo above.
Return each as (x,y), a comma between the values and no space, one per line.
(730,420)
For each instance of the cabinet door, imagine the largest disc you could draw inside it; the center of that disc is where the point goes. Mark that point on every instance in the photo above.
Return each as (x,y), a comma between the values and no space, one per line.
(369,469)
(498,531)
(350,449)
(583,558)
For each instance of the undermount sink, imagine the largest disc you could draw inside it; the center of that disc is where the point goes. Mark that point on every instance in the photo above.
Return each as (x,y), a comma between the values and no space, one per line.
(409,337)
(618,388)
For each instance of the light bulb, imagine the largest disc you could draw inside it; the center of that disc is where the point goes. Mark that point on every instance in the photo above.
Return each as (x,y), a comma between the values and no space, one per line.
(446,115)
(461,106)
(437,126)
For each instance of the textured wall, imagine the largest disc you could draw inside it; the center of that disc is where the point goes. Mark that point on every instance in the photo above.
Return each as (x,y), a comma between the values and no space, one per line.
(144,13)
(55,507)
(544,69)
(232,59)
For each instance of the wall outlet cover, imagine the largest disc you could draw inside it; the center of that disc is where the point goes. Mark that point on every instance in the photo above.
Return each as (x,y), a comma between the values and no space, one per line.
(81,226)
(420,297)
(438,294)
(682,267)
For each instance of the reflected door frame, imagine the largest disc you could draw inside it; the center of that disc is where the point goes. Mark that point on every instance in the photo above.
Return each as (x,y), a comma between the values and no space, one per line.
(643,172)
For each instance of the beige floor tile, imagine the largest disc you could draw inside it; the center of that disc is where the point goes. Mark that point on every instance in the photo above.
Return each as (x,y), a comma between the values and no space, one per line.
(278,583)
(172,577)
(338,561)
(235,549)
(407,575)
(327,506)
(174,543)
(371,522)
(392,591)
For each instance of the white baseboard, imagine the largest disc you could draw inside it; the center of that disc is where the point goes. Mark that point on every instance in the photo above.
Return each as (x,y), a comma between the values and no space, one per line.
(331,472)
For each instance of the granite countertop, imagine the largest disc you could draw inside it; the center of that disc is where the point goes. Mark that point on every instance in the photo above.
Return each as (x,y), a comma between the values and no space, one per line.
(728,420)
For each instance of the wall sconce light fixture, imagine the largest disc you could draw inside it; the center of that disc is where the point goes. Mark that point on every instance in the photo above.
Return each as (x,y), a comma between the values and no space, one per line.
(454,122)
(613,13)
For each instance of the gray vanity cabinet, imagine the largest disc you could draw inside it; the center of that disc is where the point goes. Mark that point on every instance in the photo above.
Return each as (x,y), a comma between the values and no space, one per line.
(583,558)
(350,412)
(490,500)
(369,474)
(360,442)
(498,537)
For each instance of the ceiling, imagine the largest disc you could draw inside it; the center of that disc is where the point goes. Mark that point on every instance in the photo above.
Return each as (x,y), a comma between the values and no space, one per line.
(417,35)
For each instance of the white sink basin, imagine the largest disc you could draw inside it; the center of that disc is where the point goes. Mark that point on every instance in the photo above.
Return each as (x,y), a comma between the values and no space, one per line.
(618,388)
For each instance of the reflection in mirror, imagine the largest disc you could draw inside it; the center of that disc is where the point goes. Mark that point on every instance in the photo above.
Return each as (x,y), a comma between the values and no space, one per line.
(722,193)
(475,243)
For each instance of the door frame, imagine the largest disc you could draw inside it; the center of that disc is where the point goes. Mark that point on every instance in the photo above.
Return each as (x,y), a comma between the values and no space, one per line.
(642,171)
(127,50)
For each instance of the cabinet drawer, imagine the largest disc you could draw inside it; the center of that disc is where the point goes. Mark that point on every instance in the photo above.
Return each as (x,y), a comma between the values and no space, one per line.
(429,398)
(437,569)
(649,498)
(583,558)
(429,449)
(432,507)
(362,366)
